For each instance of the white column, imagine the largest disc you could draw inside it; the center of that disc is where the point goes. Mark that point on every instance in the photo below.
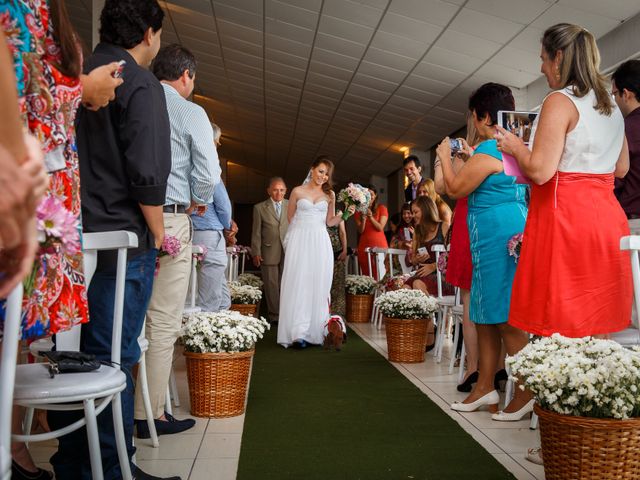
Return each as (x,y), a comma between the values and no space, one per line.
(97,6)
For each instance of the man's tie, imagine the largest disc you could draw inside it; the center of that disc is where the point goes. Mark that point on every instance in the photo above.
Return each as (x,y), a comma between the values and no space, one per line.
(278,209)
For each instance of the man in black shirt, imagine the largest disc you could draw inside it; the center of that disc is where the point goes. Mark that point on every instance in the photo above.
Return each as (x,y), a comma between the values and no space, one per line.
(125,159)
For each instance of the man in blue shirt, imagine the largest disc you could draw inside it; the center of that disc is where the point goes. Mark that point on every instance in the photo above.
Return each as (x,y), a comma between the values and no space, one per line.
(210,228)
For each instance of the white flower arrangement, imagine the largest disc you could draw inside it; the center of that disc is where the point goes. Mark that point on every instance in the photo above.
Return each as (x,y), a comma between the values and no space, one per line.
(244,294)
(585,377)
(359,284)
(224,331)
(405,303)
(250,279)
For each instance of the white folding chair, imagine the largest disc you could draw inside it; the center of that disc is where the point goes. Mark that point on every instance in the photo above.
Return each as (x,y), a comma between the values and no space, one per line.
(445,303)
(378,256)
(232,264)
(7,376)
(631,336)
(143,385)
(456,319)
(91,392)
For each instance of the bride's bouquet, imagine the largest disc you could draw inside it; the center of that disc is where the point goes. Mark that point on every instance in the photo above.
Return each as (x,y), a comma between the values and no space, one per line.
(356,195)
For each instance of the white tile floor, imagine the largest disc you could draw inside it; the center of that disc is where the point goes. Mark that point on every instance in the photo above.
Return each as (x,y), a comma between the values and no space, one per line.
(211,449)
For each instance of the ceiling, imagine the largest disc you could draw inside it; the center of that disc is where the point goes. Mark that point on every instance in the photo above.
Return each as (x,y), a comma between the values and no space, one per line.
(287,80)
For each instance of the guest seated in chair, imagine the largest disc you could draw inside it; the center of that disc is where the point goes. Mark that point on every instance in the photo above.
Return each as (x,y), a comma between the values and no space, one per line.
(429,231)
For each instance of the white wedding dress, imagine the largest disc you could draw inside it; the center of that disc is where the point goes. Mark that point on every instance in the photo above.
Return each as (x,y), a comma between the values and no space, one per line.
(307,275)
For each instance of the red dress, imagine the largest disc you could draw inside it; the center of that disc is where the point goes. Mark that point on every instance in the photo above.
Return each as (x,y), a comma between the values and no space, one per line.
(371,238)
(459,266)
(572,278)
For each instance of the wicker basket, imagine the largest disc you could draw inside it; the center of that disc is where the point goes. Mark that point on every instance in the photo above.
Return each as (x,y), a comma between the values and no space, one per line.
(218,383)
(249,309)
(359,308)
(589,448)
(406,339)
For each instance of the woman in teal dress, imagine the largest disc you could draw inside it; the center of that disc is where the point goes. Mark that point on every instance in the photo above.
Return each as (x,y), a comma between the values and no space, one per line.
(497,211)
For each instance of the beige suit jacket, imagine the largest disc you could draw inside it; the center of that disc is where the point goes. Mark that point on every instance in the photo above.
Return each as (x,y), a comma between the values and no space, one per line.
(268,232)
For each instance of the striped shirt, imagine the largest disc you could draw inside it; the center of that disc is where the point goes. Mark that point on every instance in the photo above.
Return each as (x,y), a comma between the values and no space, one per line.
(195,167)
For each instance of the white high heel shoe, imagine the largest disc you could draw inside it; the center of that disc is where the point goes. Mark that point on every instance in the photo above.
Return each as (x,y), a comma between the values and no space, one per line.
(491,399)
(514,416)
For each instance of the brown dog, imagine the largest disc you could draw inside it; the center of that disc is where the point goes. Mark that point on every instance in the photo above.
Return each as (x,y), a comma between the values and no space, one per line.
(335,334)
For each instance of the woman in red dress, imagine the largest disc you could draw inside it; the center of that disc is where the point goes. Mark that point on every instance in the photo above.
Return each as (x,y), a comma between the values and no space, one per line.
(572,278)
(459,265)
(371,230)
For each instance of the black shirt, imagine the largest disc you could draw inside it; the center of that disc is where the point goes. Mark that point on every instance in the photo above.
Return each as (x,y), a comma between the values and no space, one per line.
(124,151)
(628,188)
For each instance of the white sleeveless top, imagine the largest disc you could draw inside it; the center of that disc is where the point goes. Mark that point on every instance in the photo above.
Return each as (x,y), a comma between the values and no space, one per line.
(595,143)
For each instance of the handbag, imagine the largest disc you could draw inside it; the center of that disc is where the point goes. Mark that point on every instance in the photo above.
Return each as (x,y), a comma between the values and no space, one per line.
(70,362)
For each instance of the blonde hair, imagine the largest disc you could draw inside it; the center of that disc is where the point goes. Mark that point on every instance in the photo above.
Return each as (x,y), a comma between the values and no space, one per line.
(430,186)
(580,66)
(429,218)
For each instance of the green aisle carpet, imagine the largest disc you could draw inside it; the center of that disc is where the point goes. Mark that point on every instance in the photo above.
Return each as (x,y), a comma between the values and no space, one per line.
(314,414)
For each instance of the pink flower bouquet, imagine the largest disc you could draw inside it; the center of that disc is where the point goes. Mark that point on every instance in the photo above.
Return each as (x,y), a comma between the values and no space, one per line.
(356,195)
(443,261)
(58,231)
(170,247)
(514,245)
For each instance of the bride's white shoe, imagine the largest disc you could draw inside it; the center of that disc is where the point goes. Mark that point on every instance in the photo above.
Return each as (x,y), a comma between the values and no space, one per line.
(514,416)
(490,399)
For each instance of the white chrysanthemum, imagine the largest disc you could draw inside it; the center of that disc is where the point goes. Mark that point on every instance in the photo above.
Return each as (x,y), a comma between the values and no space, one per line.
(244,294)
(581,376)
(406,304)
(225,331)
(359,284)
(250,279)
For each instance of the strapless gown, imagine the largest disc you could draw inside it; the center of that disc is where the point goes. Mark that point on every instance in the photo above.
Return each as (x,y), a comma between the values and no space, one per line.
(306,279)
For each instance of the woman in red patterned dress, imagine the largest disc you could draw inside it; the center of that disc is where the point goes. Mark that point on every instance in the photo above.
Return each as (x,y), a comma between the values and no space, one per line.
(47,60)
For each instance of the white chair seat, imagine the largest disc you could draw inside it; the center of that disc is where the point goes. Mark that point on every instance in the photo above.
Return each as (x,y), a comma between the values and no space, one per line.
(34,384)
(628,337)
(41,345)
(447,300)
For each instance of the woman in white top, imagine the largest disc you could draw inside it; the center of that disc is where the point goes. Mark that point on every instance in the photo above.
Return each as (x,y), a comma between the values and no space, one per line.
(308,261)
(572,277)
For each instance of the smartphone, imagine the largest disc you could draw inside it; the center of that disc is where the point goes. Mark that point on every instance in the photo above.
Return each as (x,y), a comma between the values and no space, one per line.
(118,72)
(407,234)
(423,251)
(518,123)
(456,145)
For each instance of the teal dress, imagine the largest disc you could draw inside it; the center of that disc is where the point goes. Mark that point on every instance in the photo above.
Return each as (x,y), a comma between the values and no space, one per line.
(497,211)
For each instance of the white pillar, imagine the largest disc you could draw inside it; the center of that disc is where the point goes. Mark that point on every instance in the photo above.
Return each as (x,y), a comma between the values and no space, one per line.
(97,6)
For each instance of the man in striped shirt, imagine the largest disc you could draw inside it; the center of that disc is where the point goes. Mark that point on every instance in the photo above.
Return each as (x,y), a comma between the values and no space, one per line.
(195,171)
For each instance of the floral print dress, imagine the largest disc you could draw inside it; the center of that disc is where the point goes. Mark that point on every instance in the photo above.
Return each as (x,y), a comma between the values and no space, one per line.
(338,295)
(48,104)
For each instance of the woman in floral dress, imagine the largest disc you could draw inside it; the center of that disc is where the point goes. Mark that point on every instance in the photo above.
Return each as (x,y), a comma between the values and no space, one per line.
(47,61)
(338,237)
(49,93)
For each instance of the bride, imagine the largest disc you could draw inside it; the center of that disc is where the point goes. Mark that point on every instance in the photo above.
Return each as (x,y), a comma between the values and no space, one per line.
(308,261)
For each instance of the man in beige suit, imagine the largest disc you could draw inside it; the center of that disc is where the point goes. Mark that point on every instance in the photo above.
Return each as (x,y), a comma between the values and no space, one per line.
(270,224)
